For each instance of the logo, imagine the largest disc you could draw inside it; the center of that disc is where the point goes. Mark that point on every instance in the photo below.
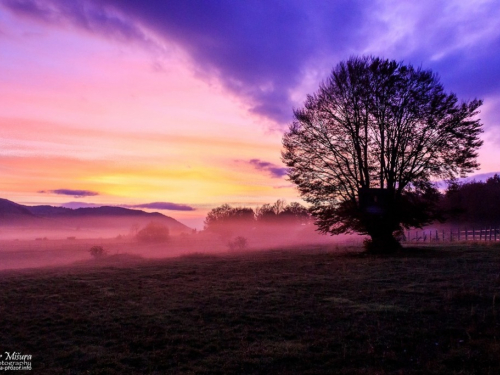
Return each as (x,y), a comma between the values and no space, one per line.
(15,361)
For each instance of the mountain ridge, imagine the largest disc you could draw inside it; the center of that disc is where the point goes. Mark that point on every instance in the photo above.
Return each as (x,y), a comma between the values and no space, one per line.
(11,212)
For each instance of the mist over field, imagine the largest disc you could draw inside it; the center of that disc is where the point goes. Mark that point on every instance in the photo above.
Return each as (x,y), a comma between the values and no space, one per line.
(59,245)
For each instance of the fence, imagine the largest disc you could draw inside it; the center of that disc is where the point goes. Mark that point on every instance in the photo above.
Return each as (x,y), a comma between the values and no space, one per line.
(451,235)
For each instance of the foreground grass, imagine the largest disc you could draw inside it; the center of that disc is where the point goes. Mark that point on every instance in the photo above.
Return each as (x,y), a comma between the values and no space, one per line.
(424,311)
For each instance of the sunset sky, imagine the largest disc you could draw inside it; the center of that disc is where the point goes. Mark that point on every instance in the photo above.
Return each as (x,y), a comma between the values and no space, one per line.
(180,106)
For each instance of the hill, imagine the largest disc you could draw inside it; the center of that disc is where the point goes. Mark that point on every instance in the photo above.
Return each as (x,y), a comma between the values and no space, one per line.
(13,211)
(45,216)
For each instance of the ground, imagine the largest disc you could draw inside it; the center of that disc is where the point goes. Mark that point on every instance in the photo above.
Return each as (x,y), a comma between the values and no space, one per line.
(310,311)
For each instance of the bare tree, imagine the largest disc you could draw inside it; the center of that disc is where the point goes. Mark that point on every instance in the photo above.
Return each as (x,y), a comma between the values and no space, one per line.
(270,212)
(365,148)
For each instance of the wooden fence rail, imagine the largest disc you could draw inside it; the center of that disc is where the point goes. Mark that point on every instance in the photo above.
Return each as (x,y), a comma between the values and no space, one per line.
(451,235)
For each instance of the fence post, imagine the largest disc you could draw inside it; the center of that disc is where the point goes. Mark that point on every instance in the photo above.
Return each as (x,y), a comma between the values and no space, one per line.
(466,234)
(437,238)
(458,233)
(490,233)
(451,235)
(443,234)
(480,234)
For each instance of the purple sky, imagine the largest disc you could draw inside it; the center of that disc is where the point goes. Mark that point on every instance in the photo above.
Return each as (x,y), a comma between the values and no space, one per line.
(252,63)
(264,51)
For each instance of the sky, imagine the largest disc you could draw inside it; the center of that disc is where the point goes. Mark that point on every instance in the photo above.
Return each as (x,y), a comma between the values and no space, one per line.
(180,106)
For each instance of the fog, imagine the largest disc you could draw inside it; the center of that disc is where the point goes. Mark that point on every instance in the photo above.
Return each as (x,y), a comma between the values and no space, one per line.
(68,243)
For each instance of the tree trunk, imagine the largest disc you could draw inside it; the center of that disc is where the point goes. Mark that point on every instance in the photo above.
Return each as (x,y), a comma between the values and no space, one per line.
(382,242)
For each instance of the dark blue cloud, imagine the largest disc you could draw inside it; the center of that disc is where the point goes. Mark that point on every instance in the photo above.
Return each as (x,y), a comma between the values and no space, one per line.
(164,206)
(71,192)
(273,169)
(258,49)
(262,50)
(474,72)
(81,13)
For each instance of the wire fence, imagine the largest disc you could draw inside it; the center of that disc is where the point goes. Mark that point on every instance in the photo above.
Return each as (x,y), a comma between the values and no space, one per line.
(451,235)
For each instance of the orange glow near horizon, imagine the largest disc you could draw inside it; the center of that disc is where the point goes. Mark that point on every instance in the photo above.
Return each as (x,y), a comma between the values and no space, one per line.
(84,113)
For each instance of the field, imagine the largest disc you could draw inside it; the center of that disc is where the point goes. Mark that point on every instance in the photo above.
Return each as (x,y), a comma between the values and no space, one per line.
(312,311)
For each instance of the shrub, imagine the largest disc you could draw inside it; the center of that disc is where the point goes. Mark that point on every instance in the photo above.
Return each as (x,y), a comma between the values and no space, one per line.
(153,232)
(239,243)
(97,251)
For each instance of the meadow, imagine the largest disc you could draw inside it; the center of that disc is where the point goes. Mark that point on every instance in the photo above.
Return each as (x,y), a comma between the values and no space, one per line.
(309,310)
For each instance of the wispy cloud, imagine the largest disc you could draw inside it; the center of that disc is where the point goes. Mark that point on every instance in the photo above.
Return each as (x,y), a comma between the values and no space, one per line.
(81,13)
(256,50)
(164,206)
(273,169)
(263,51)
(71,192)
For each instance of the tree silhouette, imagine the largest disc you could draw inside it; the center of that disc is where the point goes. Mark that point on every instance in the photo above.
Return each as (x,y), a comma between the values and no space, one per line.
(270,212)
(474,202)
(153,232)
(295,212)
(282,213)
(365,147)
(226,220)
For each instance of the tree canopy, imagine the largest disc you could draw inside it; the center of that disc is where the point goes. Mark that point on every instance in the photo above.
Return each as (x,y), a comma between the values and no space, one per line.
(384,130)
(226,220)
(280,212)
(474,202)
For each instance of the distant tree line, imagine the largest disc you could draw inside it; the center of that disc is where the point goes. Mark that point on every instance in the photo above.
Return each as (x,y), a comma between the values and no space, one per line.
(474,202)
(226,220)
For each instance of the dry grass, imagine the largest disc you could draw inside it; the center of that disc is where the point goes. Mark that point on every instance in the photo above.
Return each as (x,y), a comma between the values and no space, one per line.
(423,311)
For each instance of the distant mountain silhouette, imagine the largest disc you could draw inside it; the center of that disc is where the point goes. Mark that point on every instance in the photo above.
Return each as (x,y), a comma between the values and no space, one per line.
(11,210)
(51,211)
(13,213)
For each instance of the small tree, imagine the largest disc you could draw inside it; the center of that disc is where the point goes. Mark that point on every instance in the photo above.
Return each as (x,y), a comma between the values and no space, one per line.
(97,251)
(239,243)
(153,232)
(226,220)
(365,147)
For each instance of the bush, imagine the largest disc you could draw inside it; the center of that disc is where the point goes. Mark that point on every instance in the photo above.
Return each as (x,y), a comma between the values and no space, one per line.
(153,232)
(239,243)
(97,251)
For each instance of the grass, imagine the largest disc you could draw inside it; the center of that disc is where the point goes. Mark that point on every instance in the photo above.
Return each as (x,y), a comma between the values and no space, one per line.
(423,311)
